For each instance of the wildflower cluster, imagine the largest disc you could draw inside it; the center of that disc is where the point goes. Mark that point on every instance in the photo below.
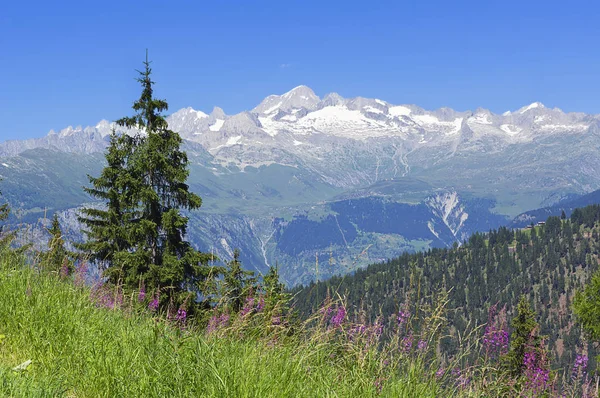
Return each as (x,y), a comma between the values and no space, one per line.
(495,338)
(217,322)
(536,373)
(106,296)
(154,303)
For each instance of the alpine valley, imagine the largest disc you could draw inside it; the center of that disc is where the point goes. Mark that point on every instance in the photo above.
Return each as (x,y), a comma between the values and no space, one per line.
(326,185)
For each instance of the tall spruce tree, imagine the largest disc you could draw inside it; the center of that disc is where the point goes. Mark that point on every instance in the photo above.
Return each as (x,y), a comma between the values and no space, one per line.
(109,229)
(160,254)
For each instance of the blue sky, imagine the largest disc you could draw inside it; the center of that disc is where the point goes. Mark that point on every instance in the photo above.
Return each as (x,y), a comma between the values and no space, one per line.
(72,63)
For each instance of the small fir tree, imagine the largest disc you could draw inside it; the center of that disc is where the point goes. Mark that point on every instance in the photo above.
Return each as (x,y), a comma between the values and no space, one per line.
(274,289)
(5,239)
(238,283)
(57,258)
(523,337)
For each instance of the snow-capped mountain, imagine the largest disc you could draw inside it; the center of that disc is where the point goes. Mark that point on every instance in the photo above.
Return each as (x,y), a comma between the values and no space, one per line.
(335,164)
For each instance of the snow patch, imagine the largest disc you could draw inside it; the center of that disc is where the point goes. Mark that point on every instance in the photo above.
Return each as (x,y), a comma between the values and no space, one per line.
(372,109)
(290,118)
(457,126)
(481,118)
(269,126)
(380,102)
(233,140)
(331,114)
(426,119)
(510,129)
(217,125)
(296,143)
(273,108)
(399,111)
(5,165)
(530,107)
(571,127)
(507,113)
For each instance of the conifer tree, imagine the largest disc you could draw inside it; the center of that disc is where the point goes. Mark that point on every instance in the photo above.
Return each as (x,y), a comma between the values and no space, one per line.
(586,307)
(523,336)
(238,283)
(160,254)
(4,212)
(57,255)
(108,229)
(274,289)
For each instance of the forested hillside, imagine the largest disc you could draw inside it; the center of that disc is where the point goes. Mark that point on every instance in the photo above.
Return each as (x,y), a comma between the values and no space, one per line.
(548,264)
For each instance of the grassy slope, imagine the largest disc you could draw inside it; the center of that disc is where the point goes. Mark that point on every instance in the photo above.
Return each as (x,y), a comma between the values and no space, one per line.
(79,350)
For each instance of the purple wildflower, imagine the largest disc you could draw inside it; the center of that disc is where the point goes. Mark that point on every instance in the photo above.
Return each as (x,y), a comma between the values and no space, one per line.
(276,320)
(580,366)
(462,380)
(495,338)
(248,306)
(181,315)
(407,343)
(537,376)
(142,293)
(153,305)
(439,373)
(80,274)
(325,312)
(217,322)
(422,345)
(403,316)
(261,304)
(338,318)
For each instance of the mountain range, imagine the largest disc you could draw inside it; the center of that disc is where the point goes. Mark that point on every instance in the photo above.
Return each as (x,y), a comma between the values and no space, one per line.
(301,178)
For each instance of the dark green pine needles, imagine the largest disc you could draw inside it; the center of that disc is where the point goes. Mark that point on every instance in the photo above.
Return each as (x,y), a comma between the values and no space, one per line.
(138,237)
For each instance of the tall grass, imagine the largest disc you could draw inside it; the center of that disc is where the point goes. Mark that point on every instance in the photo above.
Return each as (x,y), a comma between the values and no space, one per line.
(80,350)
(61,338)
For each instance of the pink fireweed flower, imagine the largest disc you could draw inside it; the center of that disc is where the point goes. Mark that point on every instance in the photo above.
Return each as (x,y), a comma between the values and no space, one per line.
(248,306)
(181,315)
(325,312)
(142,293)
(580,366)
(537,376)
(217,322)
(495,338)
(403,316)
(439,373)
(153,305)
(261,304)
(338,318)
(407,343)
(80,274)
